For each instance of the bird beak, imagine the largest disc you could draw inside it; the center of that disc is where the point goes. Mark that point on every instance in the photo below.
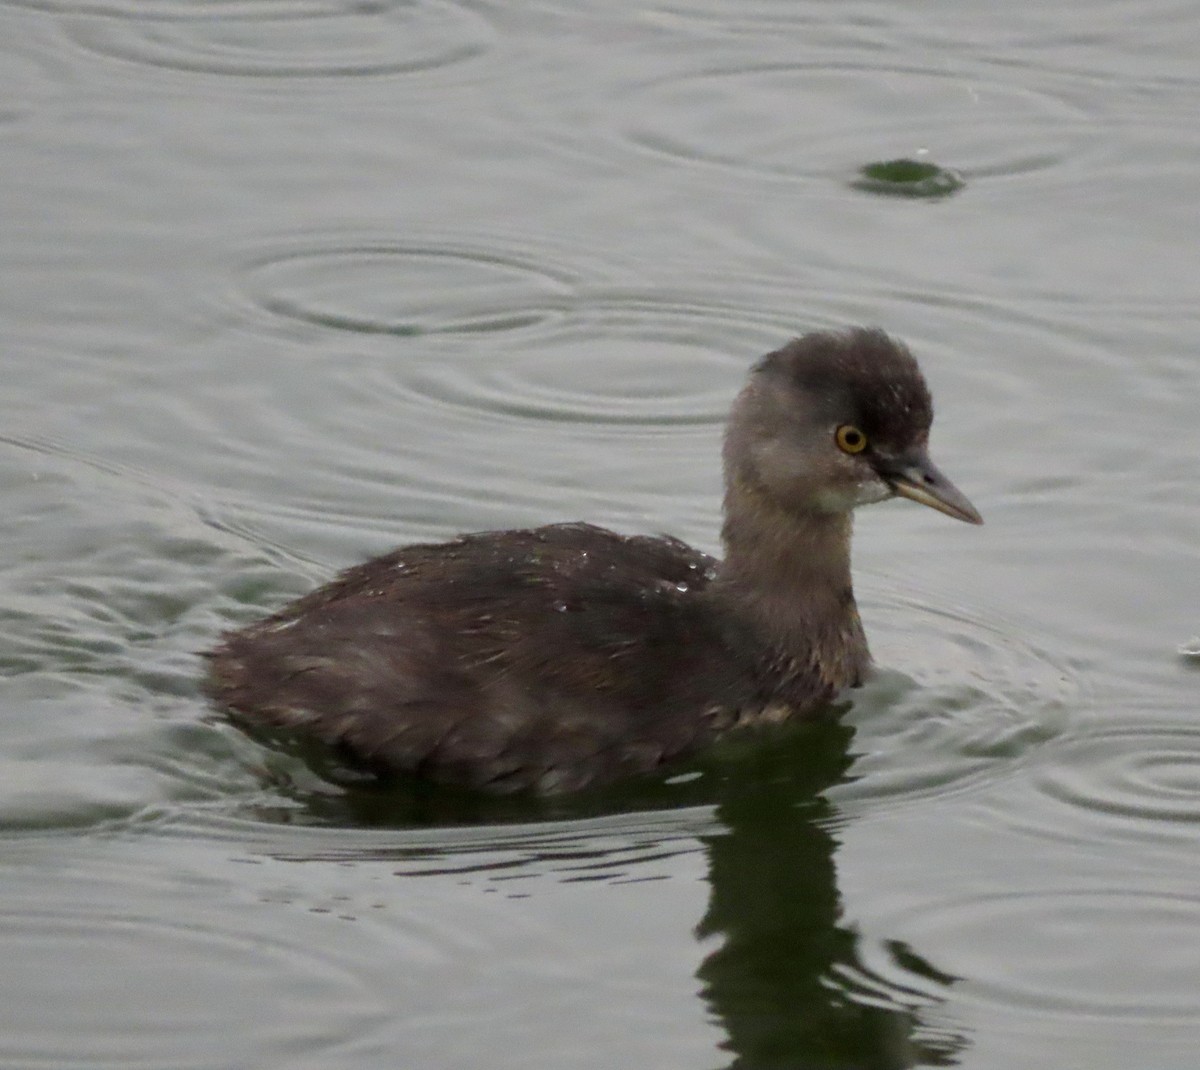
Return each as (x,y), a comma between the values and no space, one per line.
(913,475)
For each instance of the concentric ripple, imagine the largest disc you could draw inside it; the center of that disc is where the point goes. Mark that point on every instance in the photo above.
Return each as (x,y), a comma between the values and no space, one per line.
(835,114)
(649,360)
(971,705)
(256,38)
(406,288)
(1073,953)
(1142,781)
(152,989)
(598,356)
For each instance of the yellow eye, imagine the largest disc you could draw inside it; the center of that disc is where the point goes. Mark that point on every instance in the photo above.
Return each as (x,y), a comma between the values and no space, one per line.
(850,439)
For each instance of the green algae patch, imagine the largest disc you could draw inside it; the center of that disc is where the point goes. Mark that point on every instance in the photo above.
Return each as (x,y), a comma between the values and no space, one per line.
(907,178)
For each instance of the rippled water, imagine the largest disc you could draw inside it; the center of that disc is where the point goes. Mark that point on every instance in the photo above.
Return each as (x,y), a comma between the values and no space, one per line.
(286,283)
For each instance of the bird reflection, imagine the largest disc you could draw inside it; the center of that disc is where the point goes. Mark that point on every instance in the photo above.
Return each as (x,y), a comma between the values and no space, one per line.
(775,982)
(780,980)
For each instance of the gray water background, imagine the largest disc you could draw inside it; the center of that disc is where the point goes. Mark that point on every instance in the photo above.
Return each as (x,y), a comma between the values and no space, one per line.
(284,283)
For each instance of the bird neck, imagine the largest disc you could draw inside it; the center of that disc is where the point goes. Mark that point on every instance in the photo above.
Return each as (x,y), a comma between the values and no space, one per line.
(789,573)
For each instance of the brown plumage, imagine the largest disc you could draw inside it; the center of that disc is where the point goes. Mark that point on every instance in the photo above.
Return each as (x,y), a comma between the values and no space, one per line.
(565,656)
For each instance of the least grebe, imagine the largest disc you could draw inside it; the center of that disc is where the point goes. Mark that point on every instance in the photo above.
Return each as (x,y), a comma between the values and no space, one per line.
(559,657)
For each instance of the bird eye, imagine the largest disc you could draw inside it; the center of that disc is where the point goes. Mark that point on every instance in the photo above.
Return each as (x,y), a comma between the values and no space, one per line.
(850,439)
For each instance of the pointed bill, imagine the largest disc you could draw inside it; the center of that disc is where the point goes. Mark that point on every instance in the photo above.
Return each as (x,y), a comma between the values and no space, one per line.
(914,476)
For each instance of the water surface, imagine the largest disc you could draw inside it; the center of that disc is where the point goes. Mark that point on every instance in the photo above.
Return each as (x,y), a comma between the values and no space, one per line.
(285,284)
